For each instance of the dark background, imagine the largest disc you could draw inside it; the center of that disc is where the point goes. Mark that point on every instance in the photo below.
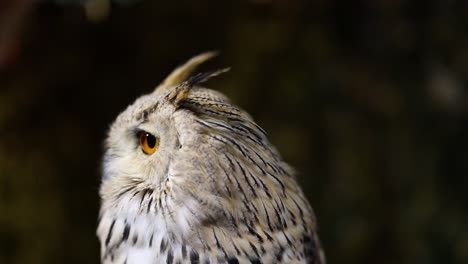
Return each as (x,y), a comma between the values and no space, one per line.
(367,99)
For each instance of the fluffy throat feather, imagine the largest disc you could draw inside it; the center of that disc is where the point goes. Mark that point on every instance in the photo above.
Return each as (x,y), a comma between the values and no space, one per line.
(136,195)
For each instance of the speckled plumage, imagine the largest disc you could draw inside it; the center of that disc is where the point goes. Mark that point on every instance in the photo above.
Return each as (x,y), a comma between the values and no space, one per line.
(215,191)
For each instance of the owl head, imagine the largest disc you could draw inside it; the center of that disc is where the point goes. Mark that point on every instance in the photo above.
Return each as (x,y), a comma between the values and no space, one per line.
(189,143)
(147,138)
(181,135)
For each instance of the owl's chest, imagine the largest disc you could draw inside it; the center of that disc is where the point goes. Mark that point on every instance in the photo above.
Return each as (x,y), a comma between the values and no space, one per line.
(141,239)
(141,232)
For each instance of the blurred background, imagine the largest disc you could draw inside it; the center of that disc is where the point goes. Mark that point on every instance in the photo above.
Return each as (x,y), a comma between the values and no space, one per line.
(367,99)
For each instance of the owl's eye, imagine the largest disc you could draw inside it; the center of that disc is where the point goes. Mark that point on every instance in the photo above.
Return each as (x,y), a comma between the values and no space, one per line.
(148,142)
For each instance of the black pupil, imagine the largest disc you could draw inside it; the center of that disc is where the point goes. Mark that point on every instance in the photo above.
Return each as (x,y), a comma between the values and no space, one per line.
(151,140)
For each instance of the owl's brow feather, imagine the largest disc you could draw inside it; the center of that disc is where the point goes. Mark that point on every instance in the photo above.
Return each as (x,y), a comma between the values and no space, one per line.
(143,115)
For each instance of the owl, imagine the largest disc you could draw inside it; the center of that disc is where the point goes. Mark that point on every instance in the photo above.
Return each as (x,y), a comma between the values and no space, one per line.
(188,177)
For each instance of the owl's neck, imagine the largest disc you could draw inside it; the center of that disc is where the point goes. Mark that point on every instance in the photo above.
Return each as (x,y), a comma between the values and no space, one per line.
(139,220)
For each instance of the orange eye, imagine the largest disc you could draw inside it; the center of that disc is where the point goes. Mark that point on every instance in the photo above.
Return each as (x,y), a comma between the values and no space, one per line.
(148,142)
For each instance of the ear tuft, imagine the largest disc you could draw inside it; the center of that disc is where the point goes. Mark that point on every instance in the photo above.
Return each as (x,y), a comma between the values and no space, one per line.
(181,91)
(205,76)
(182,72)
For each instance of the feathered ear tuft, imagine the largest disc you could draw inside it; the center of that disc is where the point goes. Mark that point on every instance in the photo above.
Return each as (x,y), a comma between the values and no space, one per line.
(205,76)
(182,72)
(180,92)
